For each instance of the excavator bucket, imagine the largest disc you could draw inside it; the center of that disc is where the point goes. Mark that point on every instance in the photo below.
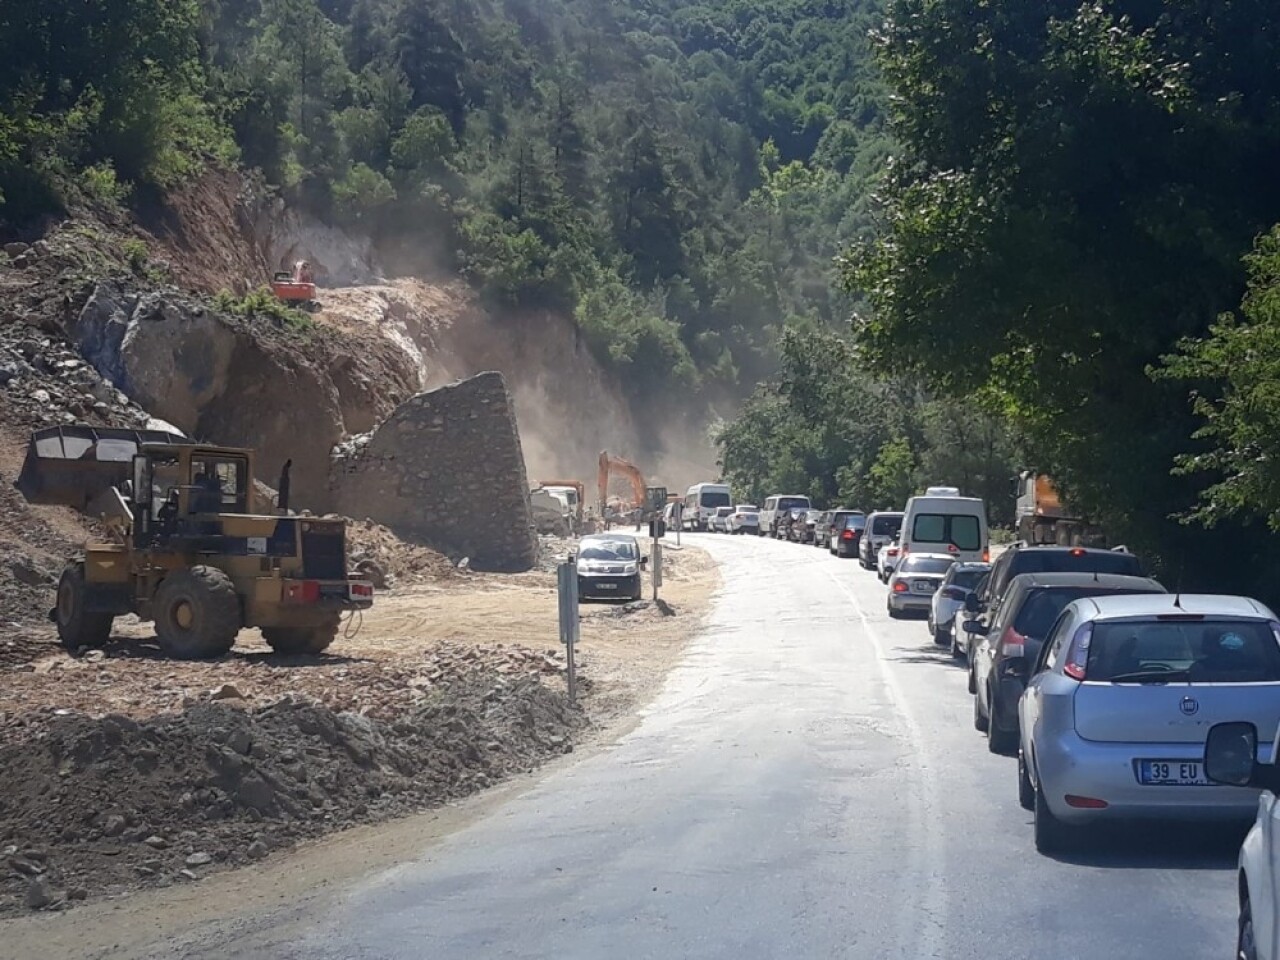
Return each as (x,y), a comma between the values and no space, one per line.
(73,465)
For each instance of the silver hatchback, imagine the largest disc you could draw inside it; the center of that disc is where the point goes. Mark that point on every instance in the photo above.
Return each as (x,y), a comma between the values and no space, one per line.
(1120,699)
(914,582)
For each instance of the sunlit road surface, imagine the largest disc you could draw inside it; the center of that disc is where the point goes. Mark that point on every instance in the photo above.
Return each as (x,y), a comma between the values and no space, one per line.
(807,784)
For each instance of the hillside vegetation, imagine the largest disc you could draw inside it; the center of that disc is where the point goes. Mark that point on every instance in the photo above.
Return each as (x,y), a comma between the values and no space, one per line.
(677,177)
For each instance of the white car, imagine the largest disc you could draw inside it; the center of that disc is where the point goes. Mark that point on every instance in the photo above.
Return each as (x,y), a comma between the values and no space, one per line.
(745,519)
(1231,758)
(886,560)
(718,522)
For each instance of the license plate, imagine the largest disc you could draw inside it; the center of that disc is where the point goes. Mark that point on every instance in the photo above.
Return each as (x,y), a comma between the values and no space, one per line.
(1171,773)
(606,586)
(924,586)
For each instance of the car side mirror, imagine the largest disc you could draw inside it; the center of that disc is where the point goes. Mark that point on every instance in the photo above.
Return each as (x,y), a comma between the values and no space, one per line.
(644,562)
(1231,757)
(975,626)
(971,604)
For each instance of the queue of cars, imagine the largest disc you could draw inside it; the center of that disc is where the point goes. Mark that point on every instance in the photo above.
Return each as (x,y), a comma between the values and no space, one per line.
(1120,700)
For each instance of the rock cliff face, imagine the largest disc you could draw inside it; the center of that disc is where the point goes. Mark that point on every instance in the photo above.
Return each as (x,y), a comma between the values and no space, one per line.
(446,468)
(229,381)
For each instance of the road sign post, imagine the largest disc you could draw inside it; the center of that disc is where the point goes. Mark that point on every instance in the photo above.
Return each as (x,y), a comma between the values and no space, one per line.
(655,562)
(567,592)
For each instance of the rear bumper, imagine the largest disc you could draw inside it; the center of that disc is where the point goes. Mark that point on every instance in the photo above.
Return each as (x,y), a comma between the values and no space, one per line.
(1067,764)
(909,601)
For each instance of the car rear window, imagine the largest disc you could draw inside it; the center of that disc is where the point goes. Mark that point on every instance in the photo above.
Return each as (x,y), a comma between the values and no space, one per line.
(885,526)
(793,503)
(926,565)
(715,498)
(1041,607)
(960,529)
(967,578)
(851,521)
(1210,651)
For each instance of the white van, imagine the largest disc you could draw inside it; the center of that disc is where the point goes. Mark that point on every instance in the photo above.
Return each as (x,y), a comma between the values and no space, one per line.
(701,501)
(946,524)
(779,503)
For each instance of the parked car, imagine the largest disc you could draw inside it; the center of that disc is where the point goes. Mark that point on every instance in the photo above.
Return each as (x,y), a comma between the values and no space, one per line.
(847,528)
(718,522)
(822,528)
(886,560)
(949,598)
(776,509)
(912,584)
(1022,558)
(959,639)
(942,521)
(802,525)
(883,527)
(1114,718)
(609,566)
(1234,756)
(745,519)
(1030,607)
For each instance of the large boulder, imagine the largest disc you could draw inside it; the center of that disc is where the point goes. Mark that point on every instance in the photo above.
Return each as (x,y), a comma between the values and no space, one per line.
(445,469)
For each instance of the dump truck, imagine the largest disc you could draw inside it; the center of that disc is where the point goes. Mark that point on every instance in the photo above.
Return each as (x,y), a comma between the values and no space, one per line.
(1043,517)
(185,548)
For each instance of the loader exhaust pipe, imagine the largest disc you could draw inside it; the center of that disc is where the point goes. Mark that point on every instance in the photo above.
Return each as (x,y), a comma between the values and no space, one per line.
(282,500)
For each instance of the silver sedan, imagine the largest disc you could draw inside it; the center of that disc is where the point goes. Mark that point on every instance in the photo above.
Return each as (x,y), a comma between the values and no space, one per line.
(914,581)
(1114,717)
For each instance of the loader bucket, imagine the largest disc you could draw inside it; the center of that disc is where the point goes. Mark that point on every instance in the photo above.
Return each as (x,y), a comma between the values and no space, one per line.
(72,465)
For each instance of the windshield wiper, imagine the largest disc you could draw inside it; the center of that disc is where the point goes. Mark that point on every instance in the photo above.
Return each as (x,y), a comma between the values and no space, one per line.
(1151,676)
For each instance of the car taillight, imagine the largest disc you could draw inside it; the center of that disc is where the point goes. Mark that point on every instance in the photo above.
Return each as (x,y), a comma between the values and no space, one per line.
(1011,643)
(1077,551)
(986,555)
(899,587)
(952,548)
(1077,664)
(847,535)
(893,551)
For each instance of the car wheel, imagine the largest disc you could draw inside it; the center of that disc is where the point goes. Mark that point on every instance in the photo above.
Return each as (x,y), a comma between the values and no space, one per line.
(999,741)
(956,652)
(893,614)
(1026,792)
(980,721)
(1052,835)
(1246,946)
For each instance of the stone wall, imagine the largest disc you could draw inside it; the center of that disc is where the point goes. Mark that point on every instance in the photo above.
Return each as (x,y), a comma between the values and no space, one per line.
(445,469)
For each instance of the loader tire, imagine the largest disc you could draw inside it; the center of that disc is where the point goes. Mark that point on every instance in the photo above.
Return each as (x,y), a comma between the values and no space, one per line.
(77,627)
(197,613)
(301,640)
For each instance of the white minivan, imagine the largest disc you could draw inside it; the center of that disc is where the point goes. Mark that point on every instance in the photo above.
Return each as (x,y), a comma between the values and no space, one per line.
(700,503)
(779,503)
(941,521)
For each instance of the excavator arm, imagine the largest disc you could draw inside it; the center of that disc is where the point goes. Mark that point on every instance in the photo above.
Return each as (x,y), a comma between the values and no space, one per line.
(624,468)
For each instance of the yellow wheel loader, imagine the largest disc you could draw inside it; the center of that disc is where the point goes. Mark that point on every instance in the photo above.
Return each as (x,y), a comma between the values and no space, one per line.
(186,549)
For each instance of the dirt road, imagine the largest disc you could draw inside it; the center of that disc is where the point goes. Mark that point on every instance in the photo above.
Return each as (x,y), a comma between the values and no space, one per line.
(136,771)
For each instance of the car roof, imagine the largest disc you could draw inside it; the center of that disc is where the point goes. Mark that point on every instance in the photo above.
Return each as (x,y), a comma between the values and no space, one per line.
(888,513)
(1083,578)
(1154,604)
(1059,548)
(967,565)
(608,537)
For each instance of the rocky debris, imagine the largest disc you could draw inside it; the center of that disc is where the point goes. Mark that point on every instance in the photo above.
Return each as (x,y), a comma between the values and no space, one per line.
(446,469)
(100,805)
(377,552)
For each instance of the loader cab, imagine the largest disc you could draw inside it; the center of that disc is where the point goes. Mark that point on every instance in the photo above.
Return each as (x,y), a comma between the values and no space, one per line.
(180,490)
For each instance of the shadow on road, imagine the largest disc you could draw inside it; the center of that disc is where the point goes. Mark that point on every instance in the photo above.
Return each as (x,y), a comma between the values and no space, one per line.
(928,652)
(1159,846)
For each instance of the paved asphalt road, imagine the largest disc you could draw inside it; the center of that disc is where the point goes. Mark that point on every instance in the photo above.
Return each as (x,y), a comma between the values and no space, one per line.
(808,784)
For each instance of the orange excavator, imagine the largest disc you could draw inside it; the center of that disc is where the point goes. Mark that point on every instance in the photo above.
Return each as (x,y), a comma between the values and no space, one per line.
(296,288)
(616,465)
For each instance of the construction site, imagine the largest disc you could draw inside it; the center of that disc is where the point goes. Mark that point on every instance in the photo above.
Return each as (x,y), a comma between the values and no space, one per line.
(278,544)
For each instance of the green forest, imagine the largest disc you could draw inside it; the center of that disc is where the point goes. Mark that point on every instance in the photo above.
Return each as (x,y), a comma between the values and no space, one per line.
(677,177)
(905,241)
